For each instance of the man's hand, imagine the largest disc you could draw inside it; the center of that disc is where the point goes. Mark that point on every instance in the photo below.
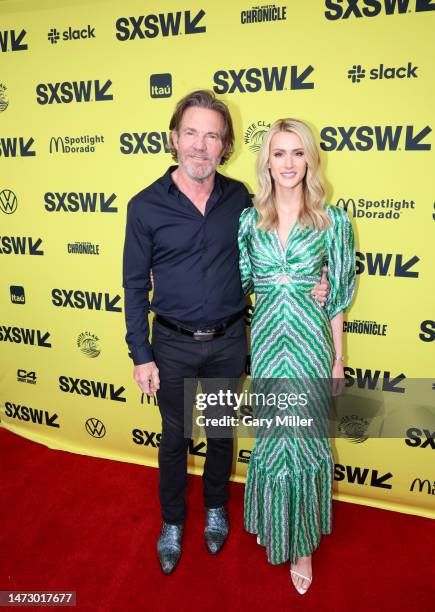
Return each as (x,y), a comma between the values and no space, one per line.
(320,291)
(147,377)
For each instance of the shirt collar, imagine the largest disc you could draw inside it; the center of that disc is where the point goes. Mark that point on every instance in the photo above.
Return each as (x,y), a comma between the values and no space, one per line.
(171,187)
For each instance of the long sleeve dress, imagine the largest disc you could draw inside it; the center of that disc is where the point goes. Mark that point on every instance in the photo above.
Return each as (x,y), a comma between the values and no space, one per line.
(288,495)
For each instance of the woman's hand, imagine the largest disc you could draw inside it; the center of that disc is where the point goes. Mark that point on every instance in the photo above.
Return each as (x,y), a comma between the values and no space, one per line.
(337,377)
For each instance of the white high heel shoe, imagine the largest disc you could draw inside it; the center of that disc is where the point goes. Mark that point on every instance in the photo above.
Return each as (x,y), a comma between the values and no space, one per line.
(300,590)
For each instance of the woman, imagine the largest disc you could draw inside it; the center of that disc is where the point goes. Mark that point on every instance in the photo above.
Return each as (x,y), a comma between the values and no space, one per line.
(284,241)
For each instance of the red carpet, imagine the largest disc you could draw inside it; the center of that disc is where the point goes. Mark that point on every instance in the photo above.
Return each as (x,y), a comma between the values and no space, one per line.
(77,523)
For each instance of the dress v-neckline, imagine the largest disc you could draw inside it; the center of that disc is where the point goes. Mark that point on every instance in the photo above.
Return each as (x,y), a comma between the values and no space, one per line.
(284,248)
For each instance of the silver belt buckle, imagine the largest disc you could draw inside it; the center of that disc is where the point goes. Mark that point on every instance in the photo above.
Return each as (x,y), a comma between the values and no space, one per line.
(203,336)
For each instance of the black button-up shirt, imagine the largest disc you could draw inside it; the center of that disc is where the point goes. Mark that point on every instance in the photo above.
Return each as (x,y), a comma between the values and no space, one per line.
(194,258)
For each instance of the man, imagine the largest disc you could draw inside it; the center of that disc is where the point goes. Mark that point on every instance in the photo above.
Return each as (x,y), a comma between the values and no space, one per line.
(184,227)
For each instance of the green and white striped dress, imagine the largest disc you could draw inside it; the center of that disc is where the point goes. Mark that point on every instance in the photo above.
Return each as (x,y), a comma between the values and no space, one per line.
(288,496)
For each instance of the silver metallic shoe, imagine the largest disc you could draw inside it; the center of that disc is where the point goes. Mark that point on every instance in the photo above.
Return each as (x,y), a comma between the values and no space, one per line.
(169,547)
(216,529)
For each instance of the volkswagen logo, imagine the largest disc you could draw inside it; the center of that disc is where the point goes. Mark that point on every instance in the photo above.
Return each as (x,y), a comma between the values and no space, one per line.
(95,428)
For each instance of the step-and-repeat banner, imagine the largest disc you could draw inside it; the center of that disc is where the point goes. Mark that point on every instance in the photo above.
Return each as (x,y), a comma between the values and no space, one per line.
(86,93)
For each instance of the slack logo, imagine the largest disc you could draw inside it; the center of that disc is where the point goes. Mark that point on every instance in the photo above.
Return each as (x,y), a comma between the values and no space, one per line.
(17,294)
(161,85)
(70,34)
(357,73)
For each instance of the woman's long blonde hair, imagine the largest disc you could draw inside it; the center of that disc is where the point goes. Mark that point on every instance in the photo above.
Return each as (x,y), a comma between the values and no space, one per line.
(314,192)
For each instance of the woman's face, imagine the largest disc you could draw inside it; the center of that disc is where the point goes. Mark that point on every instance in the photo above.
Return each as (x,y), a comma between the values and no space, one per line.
(287,162)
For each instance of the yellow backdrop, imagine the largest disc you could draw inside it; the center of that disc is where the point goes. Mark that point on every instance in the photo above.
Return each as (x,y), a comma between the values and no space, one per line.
(87,90)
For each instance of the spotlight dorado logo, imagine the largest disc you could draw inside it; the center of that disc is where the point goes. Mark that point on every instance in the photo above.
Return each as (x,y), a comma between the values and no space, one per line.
(385,208)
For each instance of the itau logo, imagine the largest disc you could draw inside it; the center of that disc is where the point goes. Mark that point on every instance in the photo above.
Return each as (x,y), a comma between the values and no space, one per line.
(53,36)
(4,102)
(161,85)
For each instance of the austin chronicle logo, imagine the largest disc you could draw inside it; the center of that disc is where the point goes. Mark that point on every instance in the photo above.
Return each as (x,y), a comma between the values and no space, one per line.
(8,201)
(255,134)
(354,428)
(4,102)
(88,344)
(95,428)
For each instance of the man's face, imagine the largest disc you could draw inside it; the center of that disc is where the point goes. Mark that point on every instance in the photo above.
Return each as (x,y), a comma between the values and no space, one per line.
(199,142)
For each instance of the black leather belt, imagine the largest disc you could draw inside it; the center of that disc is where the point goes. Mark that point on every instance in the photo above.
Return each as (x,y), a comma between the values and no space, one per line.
(202,335)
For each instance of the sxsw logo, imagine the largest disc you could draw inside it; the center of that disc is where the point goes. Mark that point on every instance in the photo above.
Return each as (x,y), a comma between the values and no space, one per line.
(161,85)
(8,201)
(33,415)
(91,300)
(343,9)
(16,147)
(357,73)
(381,264)
(91,388)
(79,202)
(274,78)
(146,438)
(153,439)
(74,91)
(368,379)
(146,142)
(382,138)
(163,24)
(420,438)
(17,294)
(20,245)
(70,34)
(22,335)
(427,330)
(362,476)
(11,40)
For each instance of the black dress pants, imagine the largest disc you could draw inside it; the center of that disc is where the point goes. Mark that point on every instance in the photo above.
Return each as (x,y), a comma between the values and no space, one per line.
(179,357)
